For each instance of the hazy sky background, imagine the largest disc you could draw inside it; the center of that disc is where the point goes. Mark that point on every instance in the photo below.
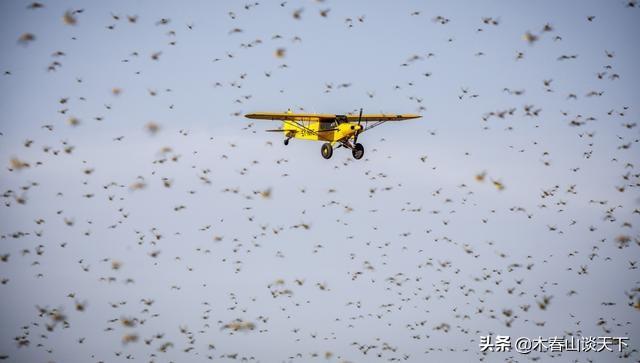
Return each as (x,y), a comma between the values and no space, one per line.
(403,241)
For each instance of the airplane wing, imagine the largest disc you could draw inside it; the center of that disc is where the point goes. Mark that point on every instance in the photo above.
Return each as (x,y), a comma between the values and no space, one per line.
(382,117)
(321,117)
(328,117)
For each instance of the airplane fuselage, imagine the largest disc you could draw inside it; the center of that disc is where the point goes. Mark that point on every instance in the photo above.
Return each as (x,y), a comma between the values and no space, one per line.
(321,131)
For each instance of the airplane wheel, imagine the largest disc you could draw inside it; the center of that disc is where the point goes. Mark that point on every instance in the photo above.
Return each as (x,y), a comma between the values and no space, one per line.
(286,142)
(326,150)
(358,151)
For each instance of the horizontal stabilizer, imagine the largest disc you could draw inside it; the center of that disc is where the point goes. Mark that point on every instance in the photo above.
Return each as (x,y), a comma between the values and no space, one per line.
(281,130)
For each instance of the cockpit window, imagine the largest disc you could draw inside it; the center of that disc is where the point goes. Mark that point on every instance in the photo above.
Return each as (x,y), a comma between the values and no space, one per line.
(327,125)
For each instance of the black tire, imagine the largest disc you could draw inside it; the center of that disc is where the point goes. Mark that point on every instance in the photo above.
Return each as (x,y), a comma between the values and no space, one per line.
(357,151)
(286,142)
(326,150)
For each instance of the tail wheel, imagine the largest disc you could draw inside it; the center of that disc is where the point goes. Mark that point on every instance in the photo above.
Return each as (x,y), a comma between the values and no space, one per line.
(326,150)
(357,151)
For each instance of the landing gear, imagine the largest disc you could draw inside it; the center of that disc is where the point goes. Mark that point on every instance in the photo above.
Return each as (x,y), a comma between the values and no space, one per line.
(326,150)
(357,151)
(286,141)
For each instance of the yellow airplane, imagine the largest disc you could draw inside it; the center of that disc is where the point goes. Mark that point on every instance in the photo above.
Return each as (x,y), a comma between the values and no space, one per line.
(342,130)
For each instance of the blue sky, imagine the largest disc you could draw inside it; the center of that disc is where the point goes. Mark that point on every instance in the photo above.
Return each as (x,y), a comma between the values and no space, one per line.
(412,208)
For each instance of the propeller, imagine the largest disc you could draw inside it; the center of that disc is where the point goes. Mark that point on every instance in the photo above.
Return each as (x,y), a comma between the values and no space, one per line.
(355,137)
